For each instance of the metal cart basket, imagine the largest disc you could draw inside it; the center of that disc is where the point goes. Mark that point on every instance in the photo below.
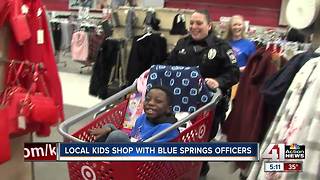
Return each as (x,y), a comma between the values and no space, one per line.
(197,132)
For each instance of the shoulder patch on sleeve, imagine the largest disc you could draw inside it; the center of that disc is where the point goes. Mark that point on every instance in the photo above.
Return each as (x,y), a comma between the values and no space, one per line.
(231,56)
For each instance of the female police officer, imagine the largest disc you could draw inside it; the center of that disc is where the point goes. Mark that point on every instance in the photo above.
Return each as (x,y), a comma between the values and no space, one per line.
(214,57)
(202,48)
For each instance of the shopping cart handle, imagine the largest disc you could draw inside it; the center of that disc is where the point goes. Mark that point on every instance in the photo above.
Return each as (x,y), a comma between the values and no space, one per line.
(63,127)
(214,90)
(214,101)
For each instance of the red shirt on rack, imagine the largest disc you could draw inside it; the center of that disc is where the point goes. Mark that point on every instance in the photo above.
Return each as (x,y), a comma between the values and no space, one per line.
(38,49)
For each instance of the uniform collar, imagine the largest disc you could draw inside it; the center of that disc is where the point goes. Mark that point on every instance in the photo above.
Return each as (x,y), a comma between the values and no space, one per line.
(208,41)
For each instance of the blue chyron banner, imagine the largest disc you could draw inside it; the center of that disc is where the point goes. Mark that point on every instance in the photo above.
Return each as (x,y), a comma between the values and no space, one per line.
(158,152)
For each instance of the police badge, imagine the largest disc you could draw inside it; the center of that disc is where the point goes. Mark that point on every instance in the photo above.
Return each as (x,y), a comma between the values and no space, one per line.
(212,53)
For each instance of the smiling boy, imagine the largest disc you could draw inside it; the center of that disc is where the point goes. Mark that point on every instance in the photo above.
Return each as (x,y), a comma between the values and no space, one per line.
(157,117)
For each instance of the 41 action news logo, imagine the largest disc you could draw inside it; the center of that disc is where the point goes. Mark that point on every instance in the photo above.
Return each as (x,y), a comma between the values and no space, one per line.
(282,152)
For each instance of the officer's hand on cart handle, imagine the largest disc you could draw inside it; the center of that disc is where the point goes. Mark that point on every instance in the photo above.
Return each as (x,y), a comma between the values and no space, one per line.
(212,83)
(97,133)
(242,69)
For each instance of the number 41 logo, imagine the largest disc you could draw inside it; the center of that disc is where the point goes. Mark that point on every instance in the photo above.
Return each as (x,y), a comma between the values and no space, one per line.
(274,152)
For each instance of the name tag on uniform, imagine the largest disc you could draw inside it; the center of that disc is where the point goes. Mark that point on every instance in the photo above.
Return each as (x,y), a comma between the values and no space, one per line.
(231,56)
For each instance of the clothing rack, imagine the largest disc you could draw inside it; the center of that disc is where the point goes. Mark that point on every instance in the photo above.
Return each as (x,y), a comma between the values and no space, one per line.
(90,23)
(109,70)
(304,91)
(166,15)
(157,9)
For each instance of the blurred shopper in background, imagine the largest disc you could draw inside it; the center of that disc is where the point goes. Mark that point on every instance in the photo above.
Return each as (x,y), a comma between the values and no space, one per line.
(242,47)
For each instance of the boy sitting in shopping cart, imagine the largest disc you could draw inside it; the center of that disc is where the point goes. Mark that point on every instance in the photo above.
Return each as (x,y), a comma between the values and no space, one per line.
(157,117)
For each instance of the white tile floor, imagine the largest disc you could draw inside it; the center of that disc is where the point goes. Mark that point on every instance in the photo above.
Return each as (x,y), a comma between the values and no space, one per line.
(75,88)
(76,98)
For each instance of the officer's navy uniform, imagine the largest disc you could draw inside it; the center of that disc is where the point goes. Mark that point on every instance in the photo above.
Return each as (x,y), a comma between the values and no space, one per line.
(214,57)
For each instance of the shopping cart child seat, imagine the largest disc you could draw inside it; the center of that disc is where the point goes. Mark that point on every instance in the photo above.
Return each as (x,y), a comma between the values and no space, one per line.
(185,83)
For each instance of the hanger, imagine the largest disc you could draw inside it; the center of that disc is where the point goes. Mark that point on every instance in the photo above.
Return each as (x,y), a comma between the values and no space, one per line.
(149,32)
(181,17)
(268,45)
(145,35)
(54,20)
(282,48)
(99,30)
(275,47)
(150,9)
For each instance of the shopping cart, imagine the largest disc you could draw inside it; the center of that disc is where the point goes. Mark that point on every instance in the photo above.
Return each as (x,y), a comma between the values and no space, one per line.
(197,132)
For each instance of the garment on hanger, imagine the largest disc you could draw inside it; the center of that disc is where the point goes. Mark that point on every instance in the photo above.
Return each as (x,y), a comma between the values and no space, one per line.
(249,118)
(115,19)
(149,51)
(149,33)
(179,25)
(56,33)
(95,41)
(276,86)
(297,122)
(107,58)
(131,20)
(151,20)
(51,35)
(107,27)
(38,49)
(66,35)
(18,21)
(80,46)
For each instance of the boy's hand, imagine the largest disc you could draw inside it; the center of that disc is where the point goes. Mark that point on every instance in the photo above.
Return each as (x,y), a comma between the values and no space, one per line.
(212,83)
(98,133)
